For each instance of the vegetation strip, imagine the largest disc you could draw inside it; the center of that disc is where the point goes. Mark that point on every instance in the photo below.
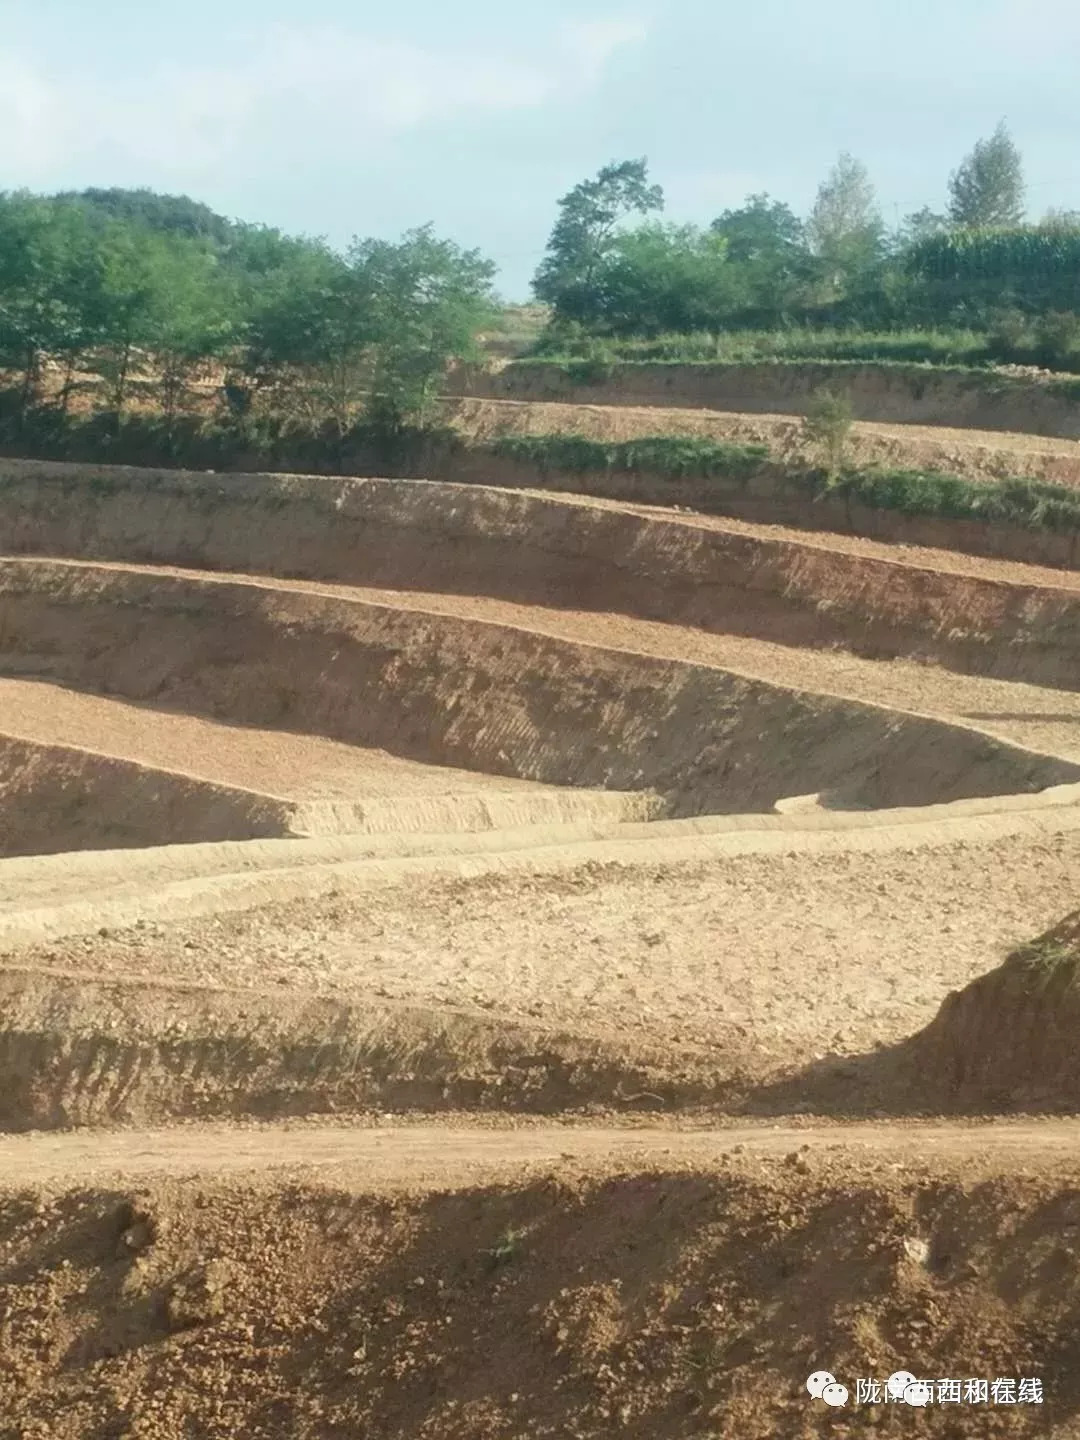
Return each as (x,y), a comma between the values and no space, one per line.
(1032,503)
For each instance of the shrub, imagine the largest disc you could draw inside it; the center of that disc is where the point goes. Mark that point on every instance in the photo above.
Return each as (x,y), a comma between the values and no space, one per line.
(827,428)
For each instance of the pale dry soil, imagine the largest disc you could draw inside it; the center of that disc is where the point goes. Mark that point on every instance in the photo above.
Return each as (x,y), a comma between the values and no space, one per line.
(280,762)
(436,1152)
(1038,717)
(791,956)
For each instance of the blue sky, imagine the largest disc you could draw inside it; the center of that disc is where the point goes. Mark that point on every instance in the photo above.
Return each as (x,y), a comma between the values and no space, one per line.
(339,119)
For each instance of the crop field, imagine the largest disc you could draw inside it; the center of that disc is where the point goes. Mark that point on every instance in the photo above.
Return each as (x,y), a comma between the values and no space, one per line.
(485,962)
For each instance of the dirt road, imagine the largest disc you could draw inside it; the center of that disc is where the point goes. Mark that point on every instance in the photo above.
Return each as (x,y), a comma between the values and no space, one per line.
(442,1155)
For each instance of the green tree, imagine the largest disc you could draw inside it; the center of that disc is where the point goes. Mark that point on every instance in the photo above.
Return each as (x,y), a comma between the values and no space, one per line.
(428,299)
(988,188)
(766,246)
(827,429)
(760,231)
(921,223)
(845,231)
(585,233)
(50,289)
(667,278)
(306,330)
(174,214)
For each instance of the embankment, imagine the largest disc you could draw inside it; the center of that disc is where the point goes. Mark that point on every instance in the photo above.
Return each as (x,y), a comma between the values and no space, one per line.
(75,1050)
(909,394)
(485,696)
(56,798)
(564,553)
(1011,1039)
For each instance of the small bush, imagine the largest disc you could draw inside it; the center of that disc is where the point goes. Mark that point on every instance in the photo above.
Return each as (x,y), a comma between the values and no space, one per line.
(827,428)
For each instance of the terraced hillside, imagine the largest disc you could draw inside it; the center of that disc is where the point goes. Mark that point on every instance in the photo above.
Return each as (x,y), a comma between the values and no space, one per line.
(542,913)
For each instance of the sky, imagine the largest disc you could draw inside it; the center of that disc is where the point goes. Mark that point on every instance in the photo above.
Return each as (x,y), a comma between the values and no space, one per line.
(343,119)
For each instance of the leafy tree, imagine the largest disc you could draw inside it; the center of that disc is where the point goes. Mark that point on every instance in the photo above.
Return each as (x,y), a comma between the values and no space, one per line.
(585,233)
(302,330)
(845,229)
(50,287)
(427,299)
(988,188)
(921,223)
(827,429)
(667,278)
(762,230)
(767,243)
(161,308)
(365,335)
(174,214)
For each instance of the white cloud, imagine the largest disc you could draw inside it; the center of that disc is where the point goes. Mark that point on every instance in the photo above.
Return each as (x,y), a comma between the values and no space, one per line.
(314,83)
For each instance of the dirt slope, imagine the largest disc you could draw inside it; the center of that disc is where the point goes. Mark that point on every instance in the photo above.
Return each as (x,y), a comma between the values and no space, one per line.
(691,958)
(59,798)
(102,773)
(1010,620)
(657,1264)
(665,1296)
(1014,1031)
(445,690)
(906,394)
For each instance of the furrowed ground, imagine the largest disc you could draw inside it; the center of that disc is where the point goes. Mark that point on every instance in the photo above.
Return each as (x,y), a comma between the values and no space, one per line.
(483,963)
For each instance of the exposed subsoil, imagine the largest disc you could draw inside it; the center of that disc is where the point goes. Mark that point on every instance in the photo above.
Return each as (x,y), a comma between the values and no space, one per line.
(538,1283)
(517,935)
(799,955)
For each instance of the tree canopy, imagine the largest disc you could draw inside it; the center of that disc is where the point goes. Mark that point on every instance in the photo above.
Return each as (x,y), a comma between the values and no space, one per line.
(988,187)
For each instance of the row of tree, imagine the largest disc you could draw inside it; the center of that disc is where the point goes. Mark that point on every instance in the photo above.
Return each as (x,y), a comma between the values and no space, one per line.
(137,287)
(760,265)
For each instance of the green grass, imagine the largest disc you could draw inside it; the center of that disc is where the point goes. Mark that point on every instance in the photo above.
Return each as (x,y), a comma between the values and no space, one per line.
(1033,504)
(1046,966)
(672,455)
(935,347)
(599,368)
(1047,342)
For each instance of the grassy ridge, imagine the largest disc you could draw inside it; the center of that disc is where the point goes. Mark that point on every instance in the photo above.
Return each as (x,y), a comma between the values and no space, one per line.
(674,455)
(935,347)
(1050,342)
(1034,504)
(600,368)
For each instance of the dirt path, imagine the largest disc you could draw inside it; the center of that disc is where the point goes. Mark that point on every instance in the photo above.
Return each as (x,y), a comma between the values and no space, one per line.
(438,1156)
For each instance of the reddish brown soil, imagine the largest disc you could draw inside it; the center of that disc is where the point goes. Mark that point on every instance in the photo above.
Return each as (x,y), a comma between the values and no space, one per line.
(663,1297)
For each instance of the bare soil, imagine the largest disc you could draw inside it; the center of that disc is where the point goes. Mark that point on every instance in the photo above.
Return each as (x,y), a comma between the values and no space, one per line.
(694,954)
(536,1283)
(588,1228)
